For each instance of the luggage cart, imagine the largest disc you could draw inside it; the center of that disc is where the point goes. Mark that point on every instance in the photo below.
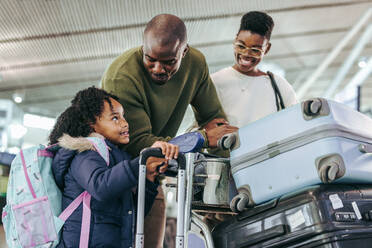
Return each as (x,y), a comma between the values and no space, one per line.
(187,209)
(156,152)
(195,208)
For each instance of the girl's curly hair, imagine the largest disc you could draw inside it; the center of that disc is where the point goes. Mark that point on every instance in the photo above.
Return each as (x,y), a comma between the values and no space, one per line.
(78,118)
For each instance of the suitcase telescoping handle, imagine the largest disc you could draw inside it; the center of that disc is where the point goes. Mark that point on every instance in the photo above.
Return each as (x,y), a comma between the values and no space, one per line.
(229,141)
(365,148)
(181,165)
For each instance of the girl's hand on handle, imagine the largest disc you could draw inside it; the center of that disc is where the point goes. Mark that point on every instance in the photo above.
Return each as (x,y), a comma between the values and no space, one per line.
(170,151)
(152,165)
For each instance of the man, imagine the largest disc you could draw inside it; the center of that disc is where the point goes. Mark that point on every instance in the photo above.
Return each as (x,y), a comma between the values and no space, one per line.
(155,84)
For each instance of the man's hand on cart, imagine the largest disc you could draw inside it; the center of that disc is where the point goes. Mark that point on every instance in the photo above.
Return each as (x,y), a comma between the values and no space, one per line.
(217,128)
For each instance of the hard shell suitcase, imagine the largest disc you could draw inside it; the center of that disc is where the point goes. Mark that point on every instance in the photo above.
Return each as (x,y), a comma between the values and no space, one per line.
(333,215)
(316,141)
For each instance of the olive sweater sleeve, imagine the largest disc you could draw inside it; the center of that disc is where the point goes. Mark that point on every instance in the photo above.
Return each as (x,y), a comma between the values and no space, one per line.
(205,104)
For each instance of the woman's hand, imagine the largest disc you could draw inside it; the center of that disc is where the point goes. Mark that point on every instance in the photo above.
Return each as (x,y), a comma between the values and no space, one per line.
(152,164)
(170,151)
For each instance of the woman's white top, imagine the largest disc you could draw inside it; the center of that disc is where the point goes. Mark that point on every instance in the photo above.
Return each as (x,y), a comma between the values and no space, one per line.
(246,99)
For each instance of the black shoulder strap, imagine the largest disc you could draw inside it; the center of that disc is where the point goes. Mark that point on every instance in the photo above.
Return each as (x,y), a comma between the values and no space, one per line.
(278,97)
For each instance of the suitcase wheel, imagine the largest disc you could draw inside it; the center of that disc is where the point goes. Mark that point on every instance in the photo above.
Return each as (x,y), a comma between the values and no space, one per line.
(242,200)
(330,168)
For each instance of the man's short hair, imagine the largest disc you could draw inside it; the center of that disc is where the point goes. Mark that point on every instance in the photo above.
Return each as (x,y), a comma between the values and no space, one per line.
(257,22)
(168,28)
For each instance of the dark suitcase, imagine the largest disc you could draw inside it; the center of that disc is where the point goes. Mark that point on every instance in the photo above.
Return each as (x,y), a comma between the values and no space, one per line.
(6,158)
(319,216)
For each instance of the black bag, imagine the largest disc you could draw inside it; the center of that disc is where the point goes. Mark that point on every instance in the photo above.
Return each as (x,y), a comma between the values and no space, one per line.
(320,216)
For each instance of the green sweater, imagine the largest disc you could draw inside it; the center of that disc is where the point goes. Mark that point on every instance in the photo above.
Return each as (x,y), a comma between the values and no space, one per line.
(154,112)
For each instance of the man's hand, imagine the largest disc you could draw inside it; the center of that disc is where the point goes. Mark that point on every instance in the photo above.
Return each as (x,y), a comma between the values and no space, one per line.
(217,128)
(215,123)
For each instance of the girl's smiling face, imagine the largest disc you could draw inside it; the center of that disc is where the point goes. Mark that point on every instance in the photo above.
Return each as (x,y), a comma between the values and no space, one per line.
(249,49)
(112,124)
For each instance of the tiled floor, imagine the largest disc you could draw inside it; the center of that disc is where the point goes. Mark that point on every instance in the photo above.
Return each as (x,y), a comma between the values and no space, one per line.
(2,238)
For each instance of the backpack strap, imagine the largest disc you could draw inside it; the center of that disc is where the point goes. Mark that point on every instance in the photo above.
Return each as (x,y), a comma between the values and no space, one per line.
(102,149)
(72,207)
(278,97)
(26,175)
(85,226)
(85,223)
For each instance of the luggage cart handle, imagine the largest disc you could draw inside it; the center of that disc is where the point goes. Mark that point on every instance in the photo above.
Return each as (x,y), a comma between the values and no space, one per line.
(229,141)
(144,155)
(156,152)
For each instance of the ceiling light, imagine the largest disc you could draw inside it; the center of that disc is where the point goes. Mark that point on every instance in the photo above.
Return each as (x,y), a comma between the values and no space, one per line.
(362,62)
(18,99)
(18,96)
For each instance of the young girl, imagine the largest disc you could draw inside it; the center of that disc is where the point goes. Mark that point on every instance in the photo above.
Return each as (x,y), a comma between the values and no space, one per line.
(94,112)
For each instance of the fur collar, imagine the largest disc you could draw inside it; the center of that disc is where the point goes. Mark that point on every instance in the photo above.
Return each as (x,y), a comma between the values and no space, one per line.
(77,143)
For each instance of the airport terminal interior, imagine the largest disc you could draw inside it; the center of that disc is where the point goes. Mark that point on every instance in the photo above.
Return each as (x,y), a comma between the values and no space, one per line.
(51,49)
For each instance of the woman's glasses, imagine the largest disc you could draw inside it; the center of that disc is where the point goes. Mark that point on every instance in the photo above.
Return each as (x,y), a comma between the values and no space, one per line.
(252,51)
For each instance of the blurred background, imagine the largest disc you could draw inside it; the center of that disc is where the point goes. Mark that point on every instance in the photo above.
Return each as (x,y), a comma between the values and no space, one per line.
(50,49)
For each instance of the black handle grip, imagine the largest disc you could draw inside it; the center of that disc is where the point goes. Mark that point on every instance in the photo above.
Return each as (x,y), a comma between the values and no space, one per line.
(267,234)
(150,152)
(257,209)
(156,152)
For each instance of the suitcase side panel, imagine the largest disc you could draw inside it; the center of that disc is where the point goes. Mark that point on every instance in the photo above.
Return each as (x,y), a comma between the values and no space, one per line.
(290,122)
(297,168)
(270,129)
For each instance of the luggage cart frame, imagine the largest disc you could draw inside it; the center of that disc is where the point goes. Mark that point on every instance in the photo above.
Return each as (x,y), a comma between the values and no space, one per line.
(144,155)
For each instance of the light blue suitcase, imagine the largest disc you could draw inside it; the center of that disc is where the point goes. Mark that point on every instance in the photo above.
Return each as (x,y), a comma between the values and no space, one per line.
(313,142)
